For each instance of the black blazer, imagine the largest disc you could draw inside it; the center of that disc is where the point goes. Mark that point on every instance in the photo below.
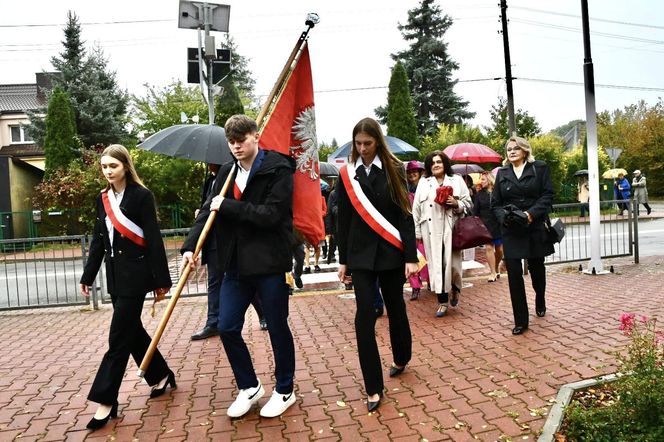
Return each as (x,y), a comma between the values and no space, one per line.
(533,192)
(482,208)
(360,247)
(254,235)
(136,270)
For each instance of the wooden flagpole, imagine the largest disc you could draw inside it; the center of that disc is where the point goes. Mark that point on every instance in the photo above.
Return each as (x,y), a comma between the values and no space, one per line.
(278,87)
(181,283)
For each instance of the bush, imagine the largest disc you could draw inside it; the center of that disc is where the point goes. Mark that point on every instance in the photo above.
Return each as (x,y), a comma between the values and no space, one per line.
(638,413)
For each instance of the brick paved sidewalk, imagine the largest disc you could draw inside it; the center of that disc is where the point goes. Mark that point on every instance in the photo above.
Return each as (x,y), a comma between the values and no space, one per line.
(469,379)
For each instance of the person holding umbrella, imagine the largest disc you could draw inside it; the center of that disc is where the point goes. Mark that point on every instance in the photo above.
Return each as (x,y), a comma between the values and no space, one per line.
(254,229)
(127,237)
(622,191)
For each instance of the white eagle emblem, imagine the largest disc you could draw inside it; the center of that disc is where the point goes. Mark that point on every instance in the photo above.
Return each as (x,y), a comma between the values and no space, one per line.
(306,153)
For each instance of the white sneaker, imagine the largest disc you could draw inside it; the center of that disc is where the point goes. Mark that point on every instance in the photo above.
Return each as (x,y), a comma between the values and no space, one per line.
(244,400)
(277,404)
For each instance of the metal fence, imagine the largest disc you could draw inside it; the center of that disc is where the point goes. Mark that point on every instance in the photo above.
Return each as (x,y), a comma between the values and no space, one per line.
(617,234)
(44,272)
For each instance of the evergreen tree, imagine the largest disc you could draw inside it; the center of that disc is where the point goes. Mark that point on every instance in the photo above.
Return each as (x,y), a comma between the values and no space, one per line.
(228,104)
(61,146)
(430,69)
(241,77)
(400,115)
(99,105)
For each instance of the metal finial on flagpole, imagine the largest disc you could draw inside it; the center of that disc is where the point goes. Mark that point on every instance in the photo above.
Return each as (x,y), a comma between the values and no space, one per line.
(312,19)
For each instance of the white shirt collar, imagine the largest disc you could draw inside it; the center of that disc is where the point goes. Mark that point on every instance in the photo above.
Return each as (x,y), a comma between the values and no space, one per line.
(375,161)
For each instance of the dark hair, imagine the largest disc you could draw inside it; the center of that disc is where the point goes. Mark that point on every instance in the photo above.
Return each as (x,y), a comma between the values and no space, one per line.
(394,170)
(447,164)
(238,126)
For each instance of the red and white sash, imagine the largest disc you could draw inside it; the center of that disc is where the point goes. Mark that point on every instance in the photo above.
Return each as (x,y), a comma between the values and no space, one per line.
(121,223)
(367,211)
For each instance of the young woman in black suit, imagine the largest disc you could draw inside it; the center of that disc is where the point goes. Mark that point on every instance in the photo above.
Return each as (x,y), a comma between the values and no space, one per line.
(377,243)
(127,237)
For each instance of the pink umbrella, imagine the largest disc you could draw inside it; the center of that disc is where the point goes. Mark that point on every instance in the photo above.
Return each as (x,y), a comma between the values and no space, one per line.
(475,152)
(495,170)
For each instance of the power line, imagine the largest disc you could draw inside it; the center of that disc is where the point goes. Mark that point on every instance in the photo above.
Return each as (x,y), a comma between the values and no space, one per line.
(562,14)
(117,22)
(573,29)
(607,86)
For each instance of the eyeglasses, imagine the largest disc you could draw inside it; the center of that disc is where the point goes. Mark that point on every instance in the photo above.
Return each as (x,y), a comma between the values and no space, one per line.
(513,149)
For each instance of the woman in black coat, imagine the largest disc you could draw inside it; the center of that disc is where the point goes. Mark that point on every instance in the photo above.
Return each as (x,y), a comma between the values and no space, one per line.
(373,196)
(521,201)
(127,237)
(482,208)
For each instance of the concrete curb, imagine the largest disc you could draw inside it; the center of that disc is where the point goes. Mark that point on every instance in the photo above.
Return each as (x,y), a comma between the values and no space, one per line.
(555,419)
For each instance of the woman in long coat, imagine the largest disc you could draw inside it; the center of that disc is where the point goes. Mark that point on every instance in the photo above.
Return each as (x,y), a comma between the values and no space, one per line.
(523,191)
(127,238)
(434,223)
(640,191)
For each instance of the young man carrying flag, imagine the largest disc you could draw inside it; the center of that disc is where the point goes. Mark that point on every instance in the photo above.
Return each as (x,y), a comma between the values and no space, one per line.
(253,229)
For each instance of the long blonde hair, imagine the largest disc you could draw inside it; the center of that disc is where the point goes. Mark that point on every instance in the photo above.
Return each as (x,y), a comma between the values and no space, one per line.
(120,153)
(394,168)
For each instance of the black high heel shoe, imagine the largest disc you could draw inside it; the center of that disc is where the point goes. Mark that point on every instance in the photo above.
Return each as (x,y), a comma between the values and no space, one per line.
(396,371)
(373,406)
(96,424)
(540,313)
(519,329)
(156,392)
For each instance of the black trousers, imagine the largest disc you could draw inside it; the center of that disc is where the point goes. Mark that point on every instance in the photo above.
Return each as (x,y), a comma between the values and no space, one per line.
(126,337)
(391,285)
(518,287)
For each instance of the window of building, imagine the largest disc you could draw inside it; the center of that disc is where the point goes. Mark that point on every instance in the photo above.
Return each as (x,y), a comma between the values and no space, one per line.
(19,135)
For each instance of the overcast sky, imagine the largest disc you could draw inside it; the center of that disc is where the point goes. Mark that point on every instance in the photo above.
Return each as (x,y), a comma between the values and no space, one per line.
(350,50)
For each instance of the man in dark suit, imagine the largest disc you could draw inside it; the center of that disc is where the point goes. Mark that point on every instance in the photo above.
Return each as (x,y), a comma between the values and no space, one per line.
(254,235)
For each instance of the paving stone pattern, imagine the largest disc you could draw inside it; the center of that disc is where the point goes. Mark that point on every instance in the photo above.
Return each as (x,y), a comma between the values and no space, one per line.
(469,378)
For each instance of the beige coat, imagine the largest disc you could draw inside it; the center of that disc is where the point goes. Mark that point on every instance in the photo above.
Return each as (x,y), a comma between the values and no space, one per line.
(584,191)
(640,190)
(433,224)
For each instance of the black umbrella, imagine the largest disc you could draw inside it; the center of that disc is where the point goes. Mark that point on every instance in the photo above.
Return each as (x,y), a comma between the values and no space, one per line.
(196,142)
(581,172)
(327,169)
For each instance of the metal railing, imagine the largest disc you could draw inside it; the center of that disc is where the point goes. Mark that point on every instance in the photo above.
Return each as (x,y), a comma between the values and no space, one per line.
(617,234)
(45,272)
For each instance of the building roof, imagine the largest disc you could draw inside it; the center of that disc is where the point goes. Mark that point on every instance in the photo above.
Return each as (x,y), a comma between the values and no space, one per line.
(20,150)
(18,98)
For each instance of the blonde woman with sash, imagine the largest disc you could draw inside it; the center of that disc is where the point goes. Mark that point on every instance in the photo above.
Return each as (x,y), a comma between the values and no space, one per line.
(127,237)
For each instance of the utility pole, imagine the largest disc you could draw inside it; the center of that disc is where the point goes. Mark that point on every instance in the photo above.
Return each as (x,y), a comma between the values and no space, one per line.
(508,68)
(595,265)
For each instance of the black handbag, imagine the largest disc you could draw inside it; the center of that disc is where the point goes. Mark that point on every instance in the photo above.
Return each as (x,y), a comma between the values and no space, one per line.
(469,232)
(555,230)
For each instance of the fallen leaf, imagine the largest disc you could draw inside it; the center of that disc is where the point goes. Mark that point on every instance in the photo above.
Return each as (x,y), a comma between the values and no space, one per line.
(341,403)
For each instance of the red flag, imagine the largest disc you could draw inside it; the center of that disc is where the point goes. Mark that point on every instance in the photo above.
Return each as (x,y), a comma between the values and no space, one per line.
(291,130)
